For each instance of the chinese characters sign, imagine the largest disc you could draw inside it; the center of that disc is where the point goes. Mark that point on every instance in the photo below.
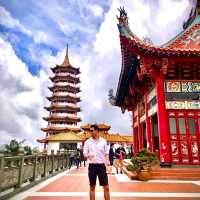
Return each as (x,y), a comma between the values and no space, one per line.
(183,105)
(186,86)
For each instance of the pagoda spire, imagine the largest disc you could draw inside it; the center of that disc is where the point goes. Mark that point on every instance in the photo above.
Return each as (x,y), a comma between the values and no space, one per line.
(66,59)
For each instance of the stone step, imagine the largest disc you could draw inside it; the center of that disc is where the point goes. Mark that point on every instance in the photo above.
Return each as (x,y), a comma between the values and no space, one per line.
(158,173)
(192,178)
(166,175)
(177,170)
(173,173)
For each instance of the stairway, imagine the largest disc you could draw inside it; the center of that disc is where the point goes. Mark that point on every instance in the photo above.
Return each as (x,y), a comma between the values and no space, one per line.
(173,173)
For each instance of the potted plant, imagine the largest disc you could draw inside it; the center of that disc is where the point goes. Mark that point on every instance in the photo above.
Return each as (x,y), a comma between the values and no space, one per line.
(141,163)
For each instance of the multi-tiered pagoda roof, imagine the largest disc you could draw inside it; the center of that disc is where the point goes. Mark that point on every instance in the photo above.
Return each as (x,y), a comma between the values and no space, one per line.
(64,100)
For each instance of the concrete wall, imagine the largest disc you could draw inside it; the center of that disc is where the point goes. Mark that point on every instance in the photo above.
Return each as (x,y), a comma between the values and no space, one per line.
(53,146)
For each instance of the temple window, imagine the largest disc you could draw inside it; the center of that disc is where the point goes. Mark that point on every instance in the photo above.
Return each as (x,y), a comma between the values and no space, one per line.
(181,122)
(172,125)
(191,124)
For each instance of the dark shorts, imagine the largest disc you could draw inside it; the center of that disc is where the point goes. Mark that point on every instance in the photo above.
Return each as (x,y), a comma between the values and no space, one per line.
(99,170)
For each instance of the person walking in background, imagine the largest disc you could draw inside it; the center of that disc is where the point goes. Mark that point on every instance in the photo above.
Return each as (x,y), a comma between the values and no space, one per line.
(96,151)
(82,157)
(111,158)
(120,154)
(71,159)
(78,158)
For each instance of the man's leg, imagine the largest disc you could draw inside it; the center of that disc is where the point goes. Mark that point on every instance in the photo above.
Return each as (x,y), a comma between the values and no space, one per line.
(106,192)
(92,174)
(92,192)
(121,165)
(70,163)
(77,163)
(117,165)
(103,180)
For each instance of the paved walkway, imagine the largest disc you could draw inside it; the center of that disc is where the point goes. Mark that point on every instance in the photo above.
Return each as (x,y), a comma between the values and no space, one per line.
(73,185)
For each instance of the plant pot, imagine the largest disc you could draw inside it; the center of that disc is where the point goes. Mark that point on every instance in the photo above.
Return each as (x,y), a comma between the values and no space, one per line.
(144,175)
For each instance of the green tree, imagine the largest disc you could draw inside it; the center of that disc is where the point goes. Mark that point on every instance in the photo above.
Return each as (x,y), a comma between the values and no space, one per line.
(27,150)
(13,147)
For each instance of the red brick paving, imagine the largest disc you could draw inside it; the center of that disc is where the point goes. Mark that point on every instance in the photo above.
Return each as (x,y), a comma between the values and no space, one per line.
(80,184)
(112,198)
(71,182)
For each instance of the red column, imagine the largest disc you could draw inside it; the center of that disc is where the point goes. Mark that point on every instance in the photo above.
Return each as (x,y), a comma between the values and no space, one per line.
(134,136)
(163,123)
(140,134)
(148,126)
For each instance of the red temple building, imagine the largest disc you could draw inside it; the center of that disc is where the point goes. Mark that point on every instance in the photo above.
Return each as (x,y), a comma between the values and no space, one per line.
(64,101)
(161,87)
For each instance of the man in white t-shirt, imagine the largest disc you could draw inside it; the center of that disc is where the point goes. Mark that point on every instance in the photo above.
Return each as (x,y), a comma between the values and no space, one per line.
(96,151)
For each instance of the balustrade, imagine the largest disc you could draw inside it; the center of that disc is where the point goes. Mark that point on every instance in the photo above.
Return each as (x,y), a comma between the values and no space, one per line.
(18,171)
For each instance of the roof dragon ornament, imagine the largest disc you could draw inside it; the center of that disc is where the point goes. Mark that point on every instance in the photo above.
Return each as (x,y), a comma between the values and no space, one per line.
(123,18)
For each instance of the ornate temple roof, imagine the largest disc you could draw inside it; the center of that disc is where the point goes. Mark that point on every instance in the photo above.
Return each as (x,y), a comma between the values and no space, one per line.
(62,118)
(108,137)
(71,136)
(68,136)
(57,107)
(188,40)
(60,129)
(65,78)
(64,88)
(100,126)
(64,98)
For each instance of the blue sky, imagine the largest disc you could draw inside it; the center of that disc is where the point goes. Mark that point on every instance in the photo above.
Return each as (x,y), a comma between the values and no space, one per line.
(33,38)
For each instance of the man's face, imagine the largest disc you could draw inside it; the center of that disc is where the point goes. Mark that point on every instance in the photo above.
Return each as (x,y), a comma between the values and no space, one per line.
(94,132)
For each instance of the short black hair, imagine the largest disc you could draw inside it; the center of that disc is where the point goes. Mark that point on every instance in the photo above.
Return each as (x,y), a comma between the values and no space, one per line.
(95,126)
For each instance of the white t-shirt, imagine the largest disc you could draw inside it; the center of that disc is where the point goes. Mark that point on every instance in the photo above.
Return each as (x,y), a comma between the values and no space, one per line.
(96,149)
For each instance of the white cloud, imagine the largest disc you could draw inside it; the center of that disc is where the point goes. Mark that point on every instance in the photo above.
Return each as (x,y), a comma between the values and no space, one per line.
(159,20)
(40,37)
(8,21)
(20,97)
(96,10)
(107,39)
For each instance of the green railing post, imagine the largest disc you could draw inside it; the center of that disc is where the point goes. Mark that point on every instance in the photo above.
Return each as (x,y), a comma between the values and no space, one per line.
(21,170)
(1,170)
(45,166)
(2,161)
(58,156)
(52,161)
(35,168)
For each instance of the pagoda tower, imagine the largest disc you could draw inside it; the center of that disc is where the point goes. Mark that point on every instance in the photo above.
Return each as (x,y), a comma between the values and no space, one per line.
(64,100)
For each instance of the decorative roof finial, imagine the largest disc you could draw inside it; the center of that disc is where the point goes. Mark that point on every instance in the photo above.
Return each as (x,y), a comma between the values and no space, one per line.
(123,18)
(66,60)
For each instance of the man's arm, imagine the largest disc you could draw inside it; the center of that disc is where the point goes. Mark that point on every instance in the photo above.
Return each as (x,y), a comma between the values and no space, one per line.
(86,150)
(107,153)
